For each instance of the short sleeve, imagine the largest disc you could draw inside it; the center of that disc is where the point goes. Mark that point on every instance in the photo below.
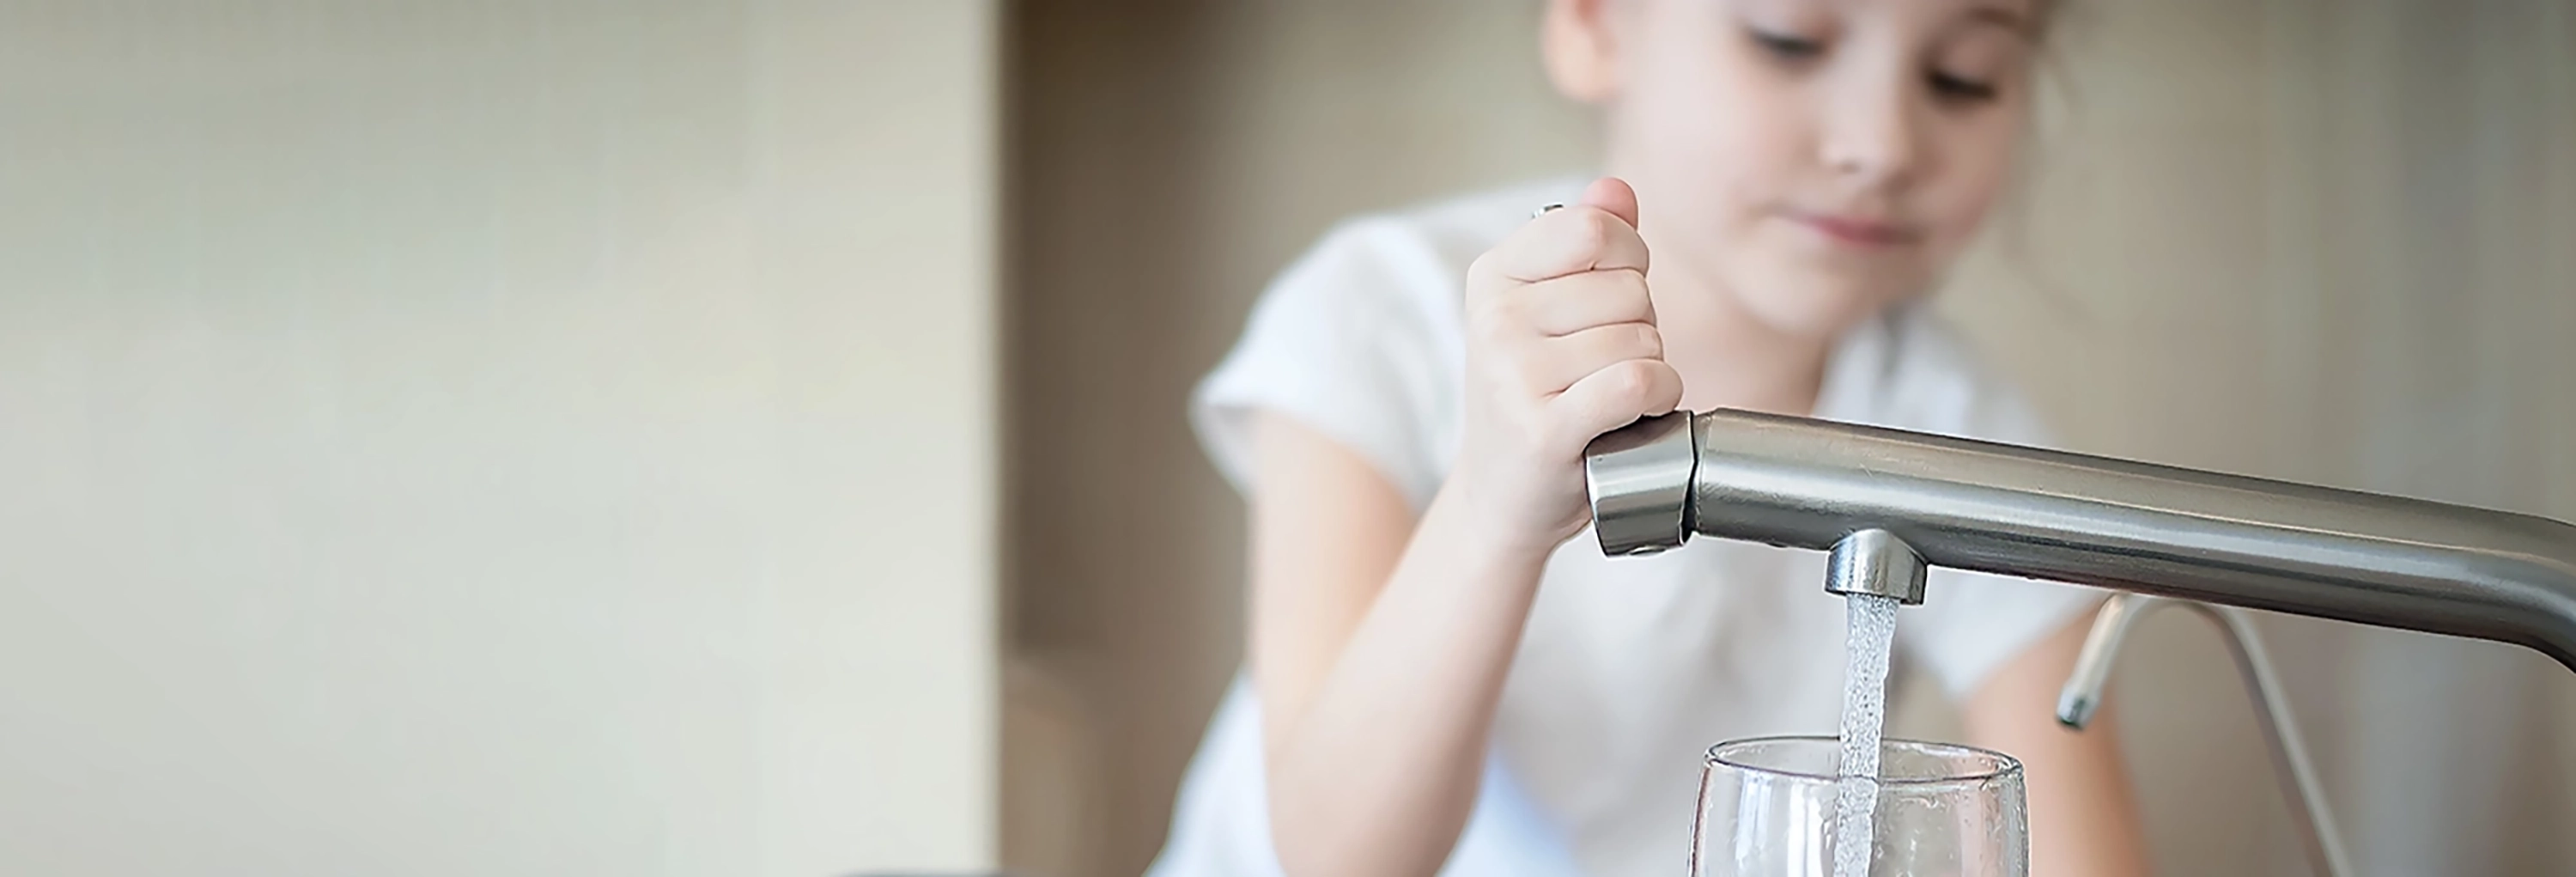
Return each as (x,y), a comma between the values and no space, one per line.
(1970,623)
(1349,341)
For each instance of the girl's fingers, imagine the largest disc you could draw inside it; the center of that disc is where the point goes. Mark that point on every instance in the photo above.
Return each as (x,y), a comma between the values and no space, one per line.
(1614,397)
(1571,304)
(1554,364)
(1558,243)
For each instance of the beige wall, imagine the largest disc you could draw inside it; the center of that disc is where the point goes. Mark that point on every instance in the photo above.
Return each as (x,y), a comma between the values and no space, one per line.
(497,438)
(2301,238)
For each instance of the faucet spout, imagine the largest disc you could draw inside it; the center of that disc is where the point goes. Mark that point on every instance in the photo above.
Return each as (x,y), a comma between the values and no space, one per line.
(2174,532)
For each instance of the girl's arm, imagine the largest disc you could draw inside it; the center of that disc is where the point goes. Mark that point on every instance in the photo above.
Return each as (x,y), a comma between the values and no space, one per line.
(2083,816)
(1380,643)
(1379,659)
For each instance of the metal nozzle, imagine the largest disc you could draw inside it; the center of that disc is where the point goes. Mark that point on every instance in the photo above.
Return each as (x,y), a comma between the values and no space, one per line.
(1876,562)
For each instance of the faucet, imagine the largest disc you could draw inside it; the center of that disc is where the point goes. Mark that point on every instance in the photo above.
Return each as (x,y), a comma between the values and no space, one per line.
(1888,502)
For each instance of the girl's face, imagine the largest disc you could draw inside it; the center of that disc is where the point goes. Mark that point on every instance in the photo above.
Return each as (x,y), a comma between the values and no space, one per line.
(1814,160)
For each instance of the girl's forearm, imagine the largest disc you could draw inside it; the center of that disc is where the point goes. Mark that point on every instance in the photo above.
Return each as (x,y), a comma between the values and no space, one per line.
(1378,773)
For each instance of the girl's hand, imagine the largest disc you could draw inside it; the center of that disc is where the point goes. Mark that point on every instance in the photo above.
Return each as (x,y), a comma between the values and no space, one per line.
(1561,347)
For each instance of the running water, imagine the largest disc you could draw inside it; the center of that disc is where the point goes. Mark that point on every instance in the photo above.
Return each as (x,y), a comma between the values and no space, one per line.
(1873,629)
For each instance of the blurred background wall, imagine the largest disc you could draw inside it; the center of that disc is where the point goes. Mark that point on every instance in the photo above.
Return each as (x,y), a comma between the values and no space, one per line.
(497,437)
(2330,241)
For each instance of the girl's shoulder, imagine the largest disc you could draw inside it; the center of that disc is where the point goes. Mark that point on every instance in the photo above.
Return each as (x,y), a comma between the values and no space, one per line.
(1419,252)
(1462,227)
(1360,338)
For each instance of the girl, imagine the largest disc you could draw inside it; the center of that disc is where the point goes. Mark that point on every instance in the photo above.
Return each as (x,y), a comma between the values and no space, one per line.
(1443,673)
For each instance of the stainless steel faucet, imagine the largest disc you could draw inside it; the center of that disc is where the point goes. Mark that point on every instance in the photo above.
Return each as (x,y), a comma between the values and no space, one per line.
(1900,500)
(1888,503)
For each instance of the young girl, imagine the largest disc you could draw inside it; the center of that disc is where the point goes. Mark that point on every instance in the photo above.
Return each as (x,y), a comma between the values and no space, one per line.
(1439,671)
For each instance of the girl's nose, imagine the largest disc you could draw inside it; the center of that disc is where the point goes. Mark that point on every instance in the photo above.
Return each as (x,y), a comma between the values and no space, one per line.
(1870,131)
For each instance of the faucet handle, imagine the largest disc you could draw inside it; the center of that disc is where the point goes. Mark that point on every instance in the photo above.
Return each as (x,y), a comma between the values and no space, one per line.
(1639,477)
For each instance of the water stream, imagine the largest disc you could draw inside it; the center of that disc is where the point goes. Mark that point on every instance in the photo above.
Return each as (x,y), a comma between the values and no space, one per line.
(1873,632)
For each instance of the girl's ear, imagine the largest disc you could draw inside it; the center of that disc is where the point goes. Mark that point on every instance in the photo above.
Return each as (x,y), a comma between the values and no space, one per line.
(1579,45)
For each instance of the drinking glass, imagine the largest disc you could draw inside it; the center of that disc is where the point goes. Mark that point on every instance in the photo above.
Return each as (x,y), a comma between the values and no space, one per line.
(1766,809)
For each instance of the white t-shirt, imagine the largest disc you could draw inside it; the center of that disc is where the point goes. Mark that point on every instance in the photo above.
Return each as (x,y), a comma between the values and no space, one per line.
(1629,667)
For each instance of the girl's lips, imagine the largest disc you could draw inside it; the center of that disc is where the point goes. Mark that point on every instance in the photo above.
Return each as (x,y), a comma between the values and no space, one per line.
(1856,231)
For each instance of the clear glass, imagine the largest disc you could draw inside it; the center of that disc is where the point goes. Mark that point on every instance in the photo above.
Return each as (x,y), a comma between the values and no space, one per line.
(1766,809)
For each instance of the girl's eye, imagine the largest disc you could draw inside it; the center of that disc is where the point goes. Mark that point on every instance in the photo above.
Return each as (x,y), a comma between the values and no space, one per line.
(1960,89)
(1787,47)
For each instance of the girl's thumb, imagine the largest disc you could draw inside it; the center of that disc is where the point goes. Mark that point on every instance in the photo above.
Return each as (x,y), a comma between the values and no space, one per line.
(1614,195)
